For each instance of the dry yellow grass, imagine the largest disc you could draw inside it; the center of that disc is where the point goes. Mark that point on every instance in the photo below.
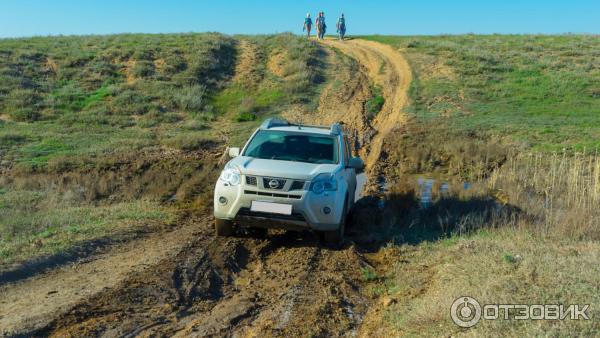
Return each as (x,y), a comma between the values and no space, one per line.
(424,280)
(560,191)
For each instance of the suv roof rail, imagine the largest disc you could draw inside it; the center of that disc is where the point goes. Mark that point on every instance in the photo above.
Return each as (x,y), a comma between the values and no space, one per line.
(335,129)
(270,123)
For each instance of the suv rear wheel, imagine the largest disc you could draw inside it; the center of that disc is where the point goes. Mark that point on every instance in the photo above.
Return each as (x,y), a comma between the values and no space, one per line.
(223,227)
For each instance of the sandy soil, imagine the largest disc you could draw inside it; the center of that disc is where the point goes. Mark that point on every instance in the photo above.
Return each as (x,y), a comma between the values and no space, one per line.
(186,282)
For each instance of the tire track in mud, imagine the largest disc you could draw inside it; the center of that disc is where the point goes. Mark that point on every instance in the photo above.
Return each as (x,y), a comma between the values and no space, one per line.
(284,285)
(240,286)
(164,299)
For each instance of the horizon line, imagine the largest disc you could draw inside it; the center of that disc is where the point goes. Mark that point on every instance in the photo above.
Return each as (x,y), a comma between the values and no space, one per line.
(51,35)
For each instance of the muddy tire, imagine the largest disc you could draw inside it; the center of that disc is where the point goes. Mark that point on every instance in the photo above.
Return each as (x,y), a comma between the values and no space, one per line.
(336,237)
(223,227)
(258,232)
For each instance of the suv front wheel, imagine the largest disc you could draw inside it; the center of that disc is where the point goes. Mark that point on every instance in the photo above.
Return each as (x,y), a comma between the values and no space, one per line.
(336,237)
(223,227)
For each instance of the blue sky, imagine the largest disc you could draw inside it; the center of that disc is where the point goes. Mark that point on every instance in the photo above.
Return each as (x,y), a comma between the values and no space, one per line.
(52,17)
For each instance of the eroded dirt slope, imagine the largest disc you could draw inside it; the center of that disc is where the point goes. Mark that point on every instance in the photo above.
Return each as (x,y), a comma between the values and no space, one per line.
(287,284)
(391,72)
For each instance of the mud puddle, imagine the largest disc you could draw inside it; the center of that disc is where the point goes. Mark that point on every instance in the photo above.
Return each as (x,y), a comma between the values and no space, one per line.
(430,190)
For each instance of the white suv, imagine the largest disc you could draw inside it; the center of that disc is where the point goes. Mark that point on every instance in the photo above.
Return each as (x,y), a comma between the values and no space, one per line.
(288,176)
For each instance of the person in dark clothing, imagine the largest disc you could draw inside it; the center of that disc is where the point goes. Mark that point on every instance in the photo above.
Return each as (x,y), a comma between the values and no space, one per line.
(341,27)
(321,26)
(307,25)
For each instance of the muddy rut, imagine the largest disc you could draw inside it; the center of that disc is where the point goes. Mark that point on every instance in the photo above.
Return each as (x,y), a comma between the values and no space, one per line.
(186,282)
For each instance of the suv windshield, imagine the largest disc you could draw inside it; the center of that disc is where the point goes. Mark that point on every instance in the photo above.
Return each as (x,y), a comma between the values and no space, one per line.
(286,146)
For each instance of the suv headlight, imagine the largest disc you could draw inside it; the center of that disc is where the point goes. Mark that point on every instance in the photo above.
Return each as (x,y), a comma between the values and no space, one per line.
(323,182)
(230,175)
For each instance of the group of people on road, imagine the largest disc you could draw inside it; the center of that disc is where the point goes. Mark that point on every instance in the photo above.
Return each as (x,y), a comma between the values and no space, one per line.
(322,27)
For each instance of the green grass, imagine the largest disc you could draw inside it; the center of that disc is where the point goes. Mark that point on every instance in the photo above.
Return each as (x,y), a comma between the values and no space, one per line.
(29,228)
(82,100)
(538,90)
(37,154)
(375,103)
(84,103)
(369,275)
(240,100)
(41,142)
(188,141)
(68,97)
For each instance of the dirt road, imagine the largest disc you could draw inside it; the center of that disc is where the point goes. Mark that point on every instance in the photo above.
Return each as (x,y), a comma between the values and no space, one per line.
(185,282)
(391,72)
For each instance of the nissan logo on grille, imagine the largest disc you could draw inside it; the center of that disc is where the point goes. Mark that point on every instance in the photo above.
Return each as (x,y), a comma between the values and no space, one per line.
(274,184)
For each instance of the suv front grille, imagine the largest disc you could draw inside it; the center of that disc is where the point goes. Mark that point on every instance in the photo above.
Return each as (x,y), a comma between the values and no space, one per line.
(250,180)
(273,183)
(297,185)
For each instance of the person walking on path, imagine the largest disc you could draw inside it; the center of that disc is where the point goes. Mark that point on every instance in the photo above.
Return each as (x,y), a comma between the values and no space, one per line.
(341,27)
(307,25)
(321,26)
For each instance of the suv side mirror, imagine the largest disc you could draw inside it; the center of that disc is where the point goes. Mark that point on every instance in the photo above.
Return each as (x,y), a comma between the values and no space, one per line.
(234,152)
(356,163)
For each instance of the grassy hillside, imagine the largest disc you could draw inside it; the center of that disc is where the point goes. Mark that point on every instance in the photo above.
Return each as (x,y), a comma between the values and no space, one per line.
(85,96)
(104,133)
(541,90)
(517,115)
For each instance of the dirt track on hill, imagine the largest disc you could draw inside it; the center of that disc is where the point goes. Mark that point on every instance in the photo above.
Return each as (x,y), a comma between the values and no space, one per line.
(185,282)
(391,72)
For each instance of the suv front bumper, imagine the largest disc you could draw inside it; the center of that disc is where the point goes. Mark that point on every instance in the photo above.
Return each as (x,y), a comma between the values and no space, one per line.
(307,207)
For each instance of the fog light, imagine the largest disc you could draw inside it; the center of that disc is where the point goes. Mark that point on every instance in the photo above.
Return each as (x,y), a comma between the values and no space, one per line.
(326,210)
(222,200)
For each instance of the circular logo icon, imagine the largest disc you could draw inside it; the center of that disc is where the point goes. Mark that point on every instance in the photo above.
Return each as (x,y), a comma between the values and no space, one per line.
(273,184)
(465,312)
